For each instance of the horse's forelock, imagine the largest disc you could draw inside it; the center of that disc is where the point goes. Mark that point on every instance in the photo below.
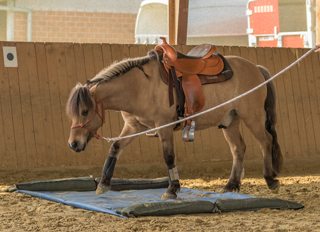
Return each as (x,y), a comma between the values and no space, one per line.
(79,96)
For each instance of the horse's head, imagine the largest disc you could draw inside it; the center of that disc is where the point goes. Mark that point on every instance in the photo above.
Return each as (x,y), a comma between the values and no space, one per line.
(87,115)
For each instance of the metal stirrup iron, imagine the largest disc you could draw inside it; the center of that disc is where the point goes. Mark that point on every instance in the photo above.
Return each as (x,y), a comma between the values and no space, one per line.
(191,132)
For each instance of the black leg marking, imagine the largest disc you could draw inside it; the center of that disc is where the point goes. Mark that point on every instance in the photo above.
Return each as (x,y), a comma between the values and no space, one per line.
(108,168)
(107,173)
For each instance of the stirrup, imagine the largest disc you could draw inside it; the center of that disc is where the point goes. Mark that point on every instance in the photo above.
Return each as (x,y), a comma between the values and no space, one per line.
(152,135)
(191,132)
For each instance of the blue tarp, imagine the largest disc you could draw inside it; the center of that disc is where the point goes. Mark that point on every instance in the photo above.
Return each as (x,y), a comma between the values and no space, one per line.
(110,201)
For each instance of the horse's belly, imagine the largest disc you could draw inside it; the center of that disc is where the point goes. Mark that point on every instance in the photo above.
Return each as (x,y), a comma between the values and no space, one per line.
(211,119)
(215,94)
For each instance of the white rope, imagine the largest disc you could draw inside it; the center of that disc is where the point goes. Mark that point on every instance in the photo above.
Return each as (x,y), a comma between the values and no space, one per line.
(216,107)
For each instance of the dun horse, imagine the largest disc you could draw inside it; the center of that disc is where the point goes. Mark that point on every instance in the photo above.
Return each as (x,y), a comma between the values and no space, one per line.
(134,87)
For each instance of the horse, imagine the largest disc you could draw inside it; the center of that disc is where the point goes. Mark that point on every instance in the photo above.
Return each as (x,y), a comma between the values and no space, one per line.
(134,87)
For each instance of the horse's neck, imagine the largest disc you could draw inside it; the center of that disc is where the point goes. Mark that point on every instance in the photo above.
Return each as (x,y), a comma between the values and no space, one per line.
(122,93)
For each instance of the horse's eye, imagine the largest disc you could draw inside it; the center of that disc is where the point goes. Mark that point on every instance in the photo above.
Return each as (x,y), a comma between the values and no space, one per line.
(84,112)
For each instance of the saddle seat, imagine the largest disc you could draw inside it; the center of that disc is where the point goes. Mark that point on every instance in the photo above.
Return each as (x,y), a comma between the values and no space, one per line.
(188,72)
(202,51)
(200,60)
(199,51)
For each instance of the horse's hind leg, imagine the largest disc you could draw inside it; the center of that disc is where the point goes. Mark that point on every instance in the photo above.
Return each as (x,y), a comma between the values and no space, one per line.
(238,147)
(265,139)
(166,137)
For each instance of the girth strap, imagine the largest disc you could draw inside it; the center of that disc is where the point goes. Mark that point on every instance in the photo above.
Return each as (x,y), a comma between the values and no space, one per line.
(179,90)
(170,88)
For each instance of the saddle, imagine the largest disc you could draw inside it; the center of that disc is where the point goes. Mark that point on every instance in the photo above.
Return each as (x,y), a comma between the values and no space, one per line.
(187,73)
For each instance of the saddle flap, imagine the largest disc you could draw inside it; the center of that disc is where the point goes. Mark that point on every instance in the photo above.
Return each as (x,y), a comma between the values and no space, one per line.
(191,85)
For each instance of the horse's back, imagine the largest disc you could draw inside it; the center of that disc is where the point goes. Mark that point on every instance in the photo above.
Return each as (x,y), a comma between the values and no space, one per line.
(246,76)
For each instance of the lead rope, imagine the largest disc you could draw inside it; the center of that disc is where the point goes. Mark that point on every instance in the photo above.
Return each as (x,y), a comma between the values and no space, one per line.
(216,107)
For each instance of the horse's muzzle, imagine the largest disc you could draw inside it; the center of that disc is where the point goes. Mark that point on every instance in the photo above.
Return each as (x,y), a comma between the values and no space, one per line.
(75,146)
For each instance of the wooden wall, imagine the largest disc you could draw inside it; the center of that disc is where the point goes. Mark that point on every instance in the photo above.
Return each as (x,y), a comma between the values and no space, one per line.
(34,128)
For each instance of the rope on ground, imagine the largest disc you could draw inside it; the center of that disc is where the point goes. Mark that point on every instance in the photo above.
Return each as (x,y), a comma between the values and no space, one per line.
(216,107)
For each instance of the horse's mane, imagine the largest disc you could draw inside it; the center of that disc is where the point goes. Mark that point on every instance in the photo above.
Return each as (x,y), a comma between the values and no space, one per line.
(119,68)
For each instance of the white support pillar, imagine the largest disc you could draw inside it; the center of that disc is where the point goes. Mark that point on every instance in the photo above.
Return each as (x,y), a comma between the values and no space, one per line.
(311,33)
(29,33)
(252,39)
(10,22)
(10,8)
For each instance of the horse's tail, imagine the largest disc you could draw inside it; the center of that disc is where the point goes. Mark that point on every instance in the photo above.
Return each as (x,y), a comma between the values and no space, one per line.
(271,120)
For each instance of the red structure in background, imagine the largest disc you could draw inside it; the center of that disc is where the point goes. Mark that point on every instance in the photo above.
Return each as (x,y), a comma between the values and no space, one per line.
(265,16)
(265,21)
(265,28)
(292,41)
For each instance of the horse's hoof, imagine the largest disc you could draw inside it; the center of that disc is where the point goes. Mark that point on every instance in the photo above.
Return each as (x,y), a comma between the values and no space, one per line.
(231,188)
(274,186)
(102,189)
(276,190)
(224,190)
(169,196)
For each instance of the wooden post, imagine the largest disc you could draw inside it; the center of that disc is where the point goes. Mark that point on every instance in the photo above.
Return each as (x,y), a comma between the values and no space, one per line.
(318,21)
(183,22)
(178,21)
(172,21)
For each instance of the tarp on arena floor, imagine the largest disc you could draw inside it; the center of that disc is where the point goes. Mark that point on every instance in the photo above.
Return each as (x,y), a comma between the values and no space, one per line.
(148,202)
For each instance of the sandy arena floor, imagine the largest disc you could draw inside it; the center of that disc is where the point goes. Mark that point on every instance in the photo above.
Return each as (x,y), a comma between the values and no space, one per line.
(300,182)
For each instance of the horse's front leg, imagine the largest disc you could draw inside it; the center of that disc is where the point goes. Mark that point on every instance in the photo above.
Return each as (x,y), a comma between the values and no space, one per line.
(131,127)
(108,168)
(166,137)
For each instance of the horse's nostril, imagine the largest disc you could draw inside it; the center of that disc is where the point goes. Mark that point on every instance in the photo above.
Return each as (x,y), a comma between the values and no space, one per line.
(74,144)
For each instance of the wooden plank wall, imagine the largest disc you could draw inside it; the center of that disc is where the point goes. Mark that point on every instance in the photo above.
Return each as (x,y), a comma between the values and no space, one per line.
(34,128)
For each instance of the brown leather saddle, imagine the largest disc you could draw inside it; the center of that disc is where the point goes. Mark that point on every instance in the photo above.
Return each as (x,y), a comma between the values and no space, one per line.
(187,73)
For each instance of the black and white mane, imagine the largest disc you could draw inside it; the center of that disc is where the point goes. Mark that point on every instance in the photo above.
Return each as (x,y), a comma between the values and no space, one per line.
(119,68)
